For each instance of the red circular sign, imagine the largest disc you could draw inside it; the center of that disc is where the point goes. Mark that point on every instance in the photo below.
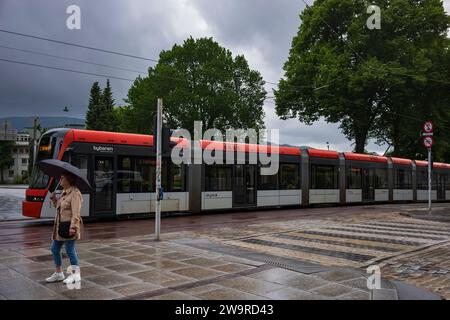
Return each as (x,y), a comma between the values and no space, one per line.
(428,142)
(428,127)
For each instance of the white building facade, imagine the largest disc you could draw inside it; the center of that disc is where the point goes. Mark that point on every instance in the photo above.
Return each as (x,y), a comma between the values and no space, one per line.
(21,155)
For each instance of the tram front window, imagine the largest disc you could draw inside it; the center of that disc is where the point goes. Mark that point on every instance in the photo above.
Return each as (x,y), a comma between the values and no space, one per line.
(45,150)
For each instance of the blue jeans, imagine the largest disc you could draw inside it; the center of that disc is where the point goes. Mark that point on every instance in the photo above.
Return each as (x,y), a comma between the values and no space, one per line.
(70,250)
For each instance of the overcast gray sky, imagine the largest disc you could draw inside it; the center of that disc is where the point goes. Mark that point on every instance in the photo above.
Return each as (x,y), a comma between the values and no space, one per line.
(262,30)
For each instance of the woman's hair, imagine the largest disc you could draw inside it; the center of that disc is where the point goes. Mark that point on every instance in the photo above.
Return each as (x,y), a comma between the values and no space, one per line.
(70,178)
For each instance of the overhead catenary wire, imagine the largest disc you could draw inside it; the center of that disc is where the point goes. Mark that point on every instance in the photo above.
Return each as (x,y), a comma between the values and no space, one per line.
(66,70)
(78,45)
(71,59)
(106,51)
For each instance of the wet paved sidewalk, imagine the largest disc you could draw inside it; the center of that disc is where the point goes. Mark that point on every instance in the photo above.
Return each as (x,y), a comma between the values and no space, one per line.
(11,197)
(139,268)
(238,256)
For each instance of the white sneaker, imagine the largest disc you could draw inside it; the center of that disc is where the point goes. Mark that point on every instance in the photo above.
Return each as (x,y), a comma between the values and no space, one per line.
(74,275)
(56,277)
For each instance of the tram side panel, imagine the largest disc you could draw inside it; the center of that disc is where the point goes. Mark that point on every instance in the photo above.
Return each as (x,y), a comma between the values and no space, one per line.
(323,177)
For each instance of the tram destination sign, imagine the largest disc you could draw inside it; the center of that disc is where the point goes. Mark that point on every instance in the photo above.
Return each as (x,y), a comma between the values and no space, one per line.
(103,149)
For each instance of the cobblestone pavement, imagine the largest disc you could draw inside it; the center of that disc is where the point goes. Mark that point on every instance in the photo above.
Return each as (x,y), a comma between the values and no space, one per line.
(428,268)
(310,254)
(410,250)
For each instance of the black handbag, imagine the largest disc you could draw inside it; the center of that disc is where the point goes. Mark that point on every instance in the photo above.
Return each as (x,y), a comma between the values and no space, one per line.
(64,229)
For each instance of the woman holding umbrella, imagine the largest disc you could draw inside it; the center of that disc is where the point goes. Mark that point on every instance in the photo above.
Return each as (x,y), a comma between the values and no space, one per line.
(66,228)
(68,208)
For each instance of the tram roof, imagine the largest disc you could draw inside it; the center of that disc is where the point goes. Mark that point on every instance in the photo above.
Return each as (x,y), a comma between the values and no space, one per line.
(364,157)
(323,153)
(111,137)
(401,161)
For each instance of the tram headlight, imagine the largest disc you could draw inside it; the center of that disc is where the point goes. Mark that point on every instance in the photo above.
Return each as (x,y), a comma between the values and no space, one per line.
(35,199)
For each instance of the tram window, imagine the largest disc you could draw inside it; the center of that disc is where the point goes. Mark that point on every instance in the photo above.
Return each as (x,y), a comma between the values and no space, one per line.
(403,179)
(124,175)
(422,180)
(267,182)
(447,181)
(176,178)
(324,177)
(289,176)
(381,178)
(354,178)
(141,180)
(218,178)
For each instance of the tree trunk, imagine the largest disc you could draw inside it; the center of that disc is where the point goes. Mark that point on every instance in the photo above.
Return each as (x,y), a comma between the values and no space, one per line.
(396,137)
(360,140)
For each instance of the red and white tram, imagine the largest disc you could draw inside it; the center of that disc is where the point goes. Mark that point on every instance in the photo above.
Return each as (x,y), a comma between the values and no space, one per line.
(121,169)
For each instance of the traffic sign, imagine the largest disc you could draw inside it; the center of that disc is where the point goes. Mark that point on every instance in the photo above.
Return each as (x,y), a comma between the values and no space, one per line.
(427,134)
(428,127)
(428,141)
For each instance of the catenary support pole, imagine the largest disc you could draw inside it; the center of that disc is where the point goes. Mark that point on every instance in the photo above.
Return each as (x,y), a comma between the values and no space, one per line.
(158,170)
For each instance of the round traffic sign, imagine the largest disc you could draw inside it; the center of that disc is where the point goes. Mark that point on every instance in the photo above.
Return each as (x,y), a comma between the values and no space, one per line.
(428,142)
(428,127)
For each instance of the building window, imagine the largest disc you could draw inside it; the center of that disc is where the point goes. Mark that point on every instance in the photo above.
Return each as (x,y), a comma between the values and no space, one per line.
(218,178)
(289,176)
(11,173)
(324,177)
(354,178)
(24,161)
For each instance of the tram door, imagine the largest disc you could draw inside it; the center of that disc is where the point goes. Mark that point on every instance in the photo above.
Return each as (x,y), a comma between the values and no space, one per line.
(103,186)
(244,186)
(441,182)
(368,184)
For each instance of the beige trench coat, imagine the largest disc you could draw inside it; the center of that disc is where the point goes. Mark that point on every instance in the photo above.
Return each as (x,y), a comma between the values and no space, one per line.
(69,207)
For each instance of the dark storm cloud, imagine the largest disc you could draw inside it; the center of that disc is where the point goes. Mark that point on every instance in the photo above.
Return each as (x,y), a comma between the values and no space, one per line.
(262,30)
(138,27)
(110,25)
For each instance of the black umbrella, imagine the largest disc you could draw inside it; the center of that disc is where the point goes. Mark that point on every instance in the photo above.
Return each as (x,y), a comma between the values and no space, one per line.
(55,168)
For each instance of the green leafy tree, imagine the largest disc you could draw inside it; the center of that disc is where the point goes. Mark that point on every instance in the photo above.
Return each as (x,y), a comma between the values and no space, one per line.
(6,158)
(199,81)
(365,80)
